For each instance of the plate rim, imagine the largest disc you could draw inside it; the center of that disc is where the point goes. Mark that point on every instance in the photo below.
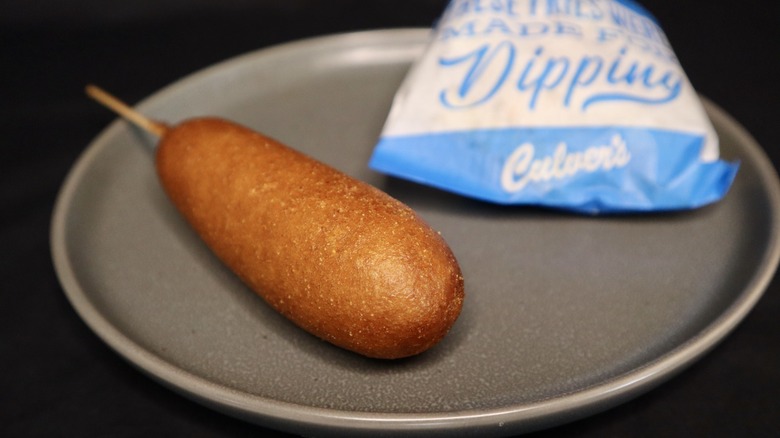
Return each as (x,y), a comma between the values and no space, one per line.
(510,419)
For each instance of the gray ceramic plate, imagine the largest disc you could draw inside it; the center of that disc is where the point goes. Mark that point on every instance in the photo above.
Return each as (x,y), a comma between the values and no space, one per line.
(565,315)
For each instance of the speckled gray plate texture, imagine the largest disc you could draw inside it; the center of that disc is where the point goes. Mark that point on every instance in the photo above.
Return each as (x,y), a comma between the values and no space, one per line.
(565,315)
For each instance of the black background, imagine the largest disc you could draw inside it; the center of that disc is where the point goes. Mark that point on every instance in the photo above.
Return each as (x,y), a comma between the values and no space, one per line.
(58,379)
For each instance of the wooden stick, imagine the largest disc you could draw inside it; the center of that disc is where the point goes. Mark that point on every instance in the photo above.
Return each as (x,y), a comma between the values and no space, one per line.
(121,108)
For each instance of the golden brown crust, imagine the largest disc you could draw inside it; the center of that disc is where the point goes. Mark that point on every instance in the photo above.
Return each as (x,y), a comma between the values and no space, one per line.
(338,257)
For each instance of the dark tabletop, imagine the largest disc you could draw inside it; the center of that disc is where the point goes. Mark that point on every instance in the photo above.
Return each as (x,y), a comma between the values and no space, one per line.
(58,379)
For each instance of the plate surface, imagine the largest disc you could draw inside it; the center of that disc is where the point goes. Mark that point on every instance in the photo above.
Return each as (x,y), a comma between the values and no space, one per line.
(564,315)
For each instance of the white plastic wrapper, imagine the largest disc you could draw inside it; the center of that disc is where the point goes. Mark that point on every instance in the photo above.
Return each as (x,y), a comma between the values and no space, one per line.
(572,104)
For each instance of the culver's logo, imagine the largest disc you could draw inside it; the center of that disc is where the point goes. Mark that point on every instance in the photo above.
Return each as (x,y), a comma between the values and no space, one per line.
(523,167)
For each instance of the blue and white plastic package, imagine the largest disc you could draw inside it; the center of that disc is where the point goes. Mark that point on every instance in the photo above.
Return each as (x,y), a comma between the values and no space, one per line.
(571,104)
